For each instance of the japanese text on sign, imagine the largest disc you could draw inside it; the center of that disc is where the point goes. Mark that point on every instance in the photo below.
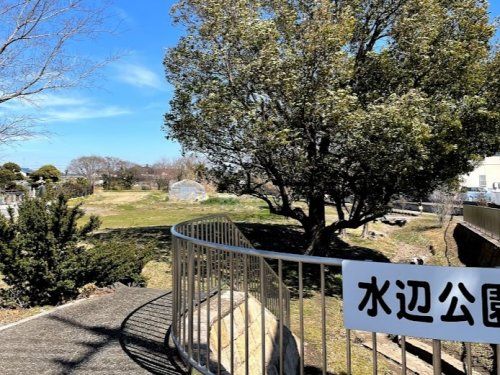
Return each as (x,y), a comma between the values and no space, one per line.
(461,304)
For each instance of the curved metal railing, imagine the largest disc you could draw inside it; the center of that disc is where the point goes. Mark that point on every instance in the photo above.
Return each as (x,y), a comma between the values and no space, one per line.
(216,270)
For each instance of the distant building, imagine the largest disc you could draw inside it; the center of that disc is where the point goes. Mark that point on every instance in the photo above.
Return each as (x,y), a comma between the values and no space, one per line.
(10,200)
(485,175)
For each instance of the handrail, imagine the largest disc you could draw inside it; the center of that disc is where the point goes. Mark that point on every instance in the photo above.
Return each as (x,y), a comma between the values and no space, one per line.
(269,254)
(485,219)
(216,270)
(248,250)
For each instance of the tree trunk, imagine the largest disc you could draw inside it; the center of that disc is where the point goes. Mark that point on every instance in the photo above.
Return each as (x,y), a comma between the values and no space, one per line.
(314,228)
(316,217)
(364,234)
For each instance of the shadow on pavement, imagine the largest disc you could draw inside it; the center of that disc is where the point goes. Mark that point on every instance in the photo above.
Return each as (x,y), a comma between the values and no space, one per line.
(144,337)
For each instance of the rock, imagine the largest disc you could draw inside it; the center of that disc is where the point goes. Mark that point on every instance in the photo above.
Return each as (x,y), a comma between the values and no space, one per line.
(416,260)
(399,221)
(373,235)
(290,342)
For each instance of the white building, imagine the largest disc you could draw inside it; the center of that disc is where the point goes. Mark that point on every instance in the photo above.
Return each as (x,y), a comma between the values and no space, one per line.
(487,173)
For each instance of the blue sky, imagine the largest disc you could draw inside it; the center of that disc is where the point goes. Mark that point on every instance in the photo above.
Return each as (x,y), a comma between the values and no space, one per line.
(123,115)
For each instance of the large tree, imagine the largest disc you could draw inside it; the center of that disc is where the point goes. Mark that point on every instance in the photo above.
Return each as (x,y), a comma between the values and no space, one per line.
(48,173)
(348,103)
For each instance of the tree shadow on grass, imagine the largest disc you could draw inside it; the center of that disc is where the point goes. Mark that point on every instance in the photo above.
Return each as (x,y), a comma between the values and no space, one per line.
(290,239)
(275,237)
(159,235)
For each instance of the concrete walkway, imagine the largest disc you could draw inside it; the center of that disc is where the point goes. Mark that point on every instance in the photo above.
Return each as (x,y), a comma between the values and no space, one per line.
(120,333)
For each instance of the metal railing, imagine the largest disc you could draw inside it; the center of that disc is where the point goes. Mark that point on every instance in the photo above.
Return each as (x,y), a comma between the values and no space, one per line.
(484,219)
(213,261)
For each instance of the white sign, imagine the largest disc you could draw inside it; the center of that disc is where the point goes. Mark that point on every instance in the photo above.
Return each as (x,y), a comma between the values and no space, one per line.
(447,303)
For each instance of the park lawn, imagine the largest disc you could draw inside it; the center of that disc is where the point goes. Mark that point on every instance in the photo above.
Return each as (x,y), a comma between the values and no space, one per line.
(125,209)
(142,209)
(415,239)
(157,275)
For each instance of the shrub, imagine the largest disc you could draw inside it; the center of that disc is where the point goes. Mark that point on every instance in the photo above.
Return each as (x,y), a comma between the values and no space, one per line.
(118,261)
(76,188)
(41,251)
(44,259)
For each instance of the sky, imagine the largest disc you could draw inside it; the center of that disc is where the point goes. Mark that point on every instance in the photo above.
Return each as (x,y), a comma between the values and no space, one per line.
(122,115)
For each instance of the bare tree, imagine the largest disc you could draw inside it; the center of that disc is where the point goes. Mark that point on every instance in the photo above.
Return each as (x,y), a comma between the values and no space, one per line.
(38,40)
(91,167)
(446,199)
(112,165)
(165,171)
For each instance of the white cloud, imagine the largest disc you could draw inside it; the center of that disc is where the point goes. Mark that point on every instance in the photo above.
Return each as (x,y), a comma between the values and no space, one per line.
(56,108)
(51,100)
(83,113)
(139,76)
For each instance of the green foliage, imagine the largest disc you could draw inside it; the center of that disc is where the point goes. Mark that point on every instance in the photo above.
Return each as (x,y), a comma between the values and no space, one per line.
(124,179)
(221,201)
(118,261)
(41,252)
(358,101)
(48,172)
(7,178)
(12,167)
(74,188)
(9,174)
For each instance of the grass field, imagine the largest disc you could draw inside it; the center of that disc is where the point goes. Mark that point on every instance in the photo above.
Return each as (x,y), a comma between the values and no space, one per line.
(147,209)
(124,209)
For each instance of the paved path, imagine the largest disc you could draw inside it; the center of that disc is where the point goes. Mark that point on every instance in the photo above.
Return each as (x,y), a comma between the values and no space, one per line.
(120,333)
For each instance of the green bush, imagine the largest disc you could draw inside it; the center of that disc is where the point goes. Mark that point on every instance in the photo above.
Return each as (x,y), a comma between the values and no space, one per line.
(45,257)
(76,188)
(118,261)
(221,201)
(41,252)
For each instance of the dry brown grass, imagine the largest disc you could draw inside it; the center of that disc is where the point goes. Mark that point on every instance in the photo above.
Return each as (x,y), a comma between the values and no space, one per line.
(13,315)
(157,275)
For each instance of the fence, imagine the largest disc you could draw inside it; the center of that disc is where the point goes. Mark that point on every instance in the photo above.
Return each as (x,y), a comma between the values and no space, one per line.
(484,219)
(213,259)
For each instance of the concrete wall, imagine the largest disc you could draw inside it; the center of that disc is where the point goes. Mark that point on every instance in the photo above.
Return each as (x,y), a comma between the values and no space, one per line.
(474,250)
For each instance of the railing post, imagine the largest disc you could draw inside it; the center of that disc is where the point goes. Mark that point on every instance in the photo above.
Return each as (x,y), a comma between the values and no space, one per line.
(281,314)
(175,291)
(245,287)
(301,317)
(436,356)
(263,315)
(323,319)
(191,287)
